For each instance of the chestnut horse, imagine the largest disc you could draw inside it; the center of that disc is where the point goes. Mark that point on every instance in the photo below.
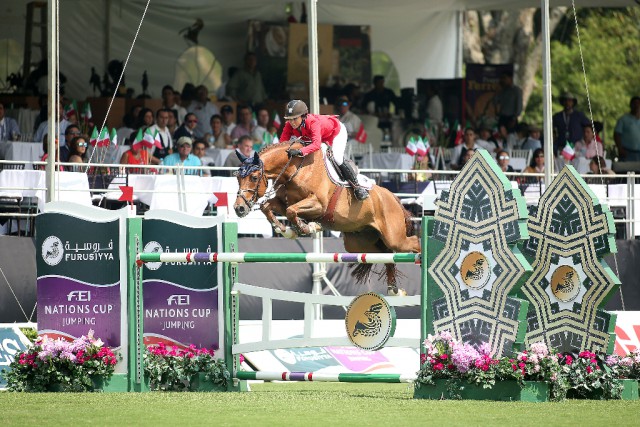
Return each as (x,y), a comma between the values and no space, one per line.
(302,190)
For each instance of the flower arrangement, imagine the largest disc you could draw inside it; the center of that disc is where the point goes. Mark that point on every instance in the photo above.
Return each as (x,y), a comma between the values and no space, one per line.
(627,367)
(460,364)
(587,376)
(172,368)
(61,365)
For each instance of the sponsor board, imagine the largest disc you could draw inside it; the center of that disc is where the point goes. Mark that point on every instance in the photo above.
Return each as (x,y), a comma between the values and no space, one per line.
(12,341)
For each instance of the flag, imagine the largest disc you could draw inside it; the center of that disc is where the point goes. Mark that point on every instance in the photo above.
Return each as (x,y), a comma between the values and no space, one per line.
(567,152)
(411,148)
(275,139)
(445,127)
(114,137)
(127,194)
(421,149)
(221,200)
(148,140)
(86,114)
(427,127)
(94,137)
(267,138)
(427,146)
(156,140)
(361,136)
(138,142)
(459,134)
(71,109)
(103,139)
(276,120)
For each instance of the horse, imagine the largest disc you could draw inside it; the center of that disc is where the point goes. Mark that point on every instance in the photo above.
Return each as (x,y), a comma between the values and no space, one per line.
(303,191)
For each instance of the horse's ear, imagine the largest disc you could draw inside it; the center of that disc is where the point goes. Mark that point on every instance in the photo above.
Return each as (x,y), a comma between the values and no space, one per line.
(256,158)
(241,156)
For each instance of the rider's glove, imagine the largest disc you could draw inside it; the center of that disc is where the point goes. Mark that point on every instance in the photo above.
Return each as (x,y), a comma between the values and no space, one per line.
(294,153)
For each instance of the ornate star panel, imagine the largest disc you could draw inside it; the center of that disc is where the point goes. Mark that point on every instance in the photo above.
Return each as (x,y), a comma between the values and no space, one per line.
(474,267)
(569,234)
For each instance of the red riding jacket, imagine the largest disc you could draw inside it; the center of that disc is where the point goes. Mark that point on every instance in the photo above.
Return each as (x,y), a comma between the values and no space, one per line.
(315,128)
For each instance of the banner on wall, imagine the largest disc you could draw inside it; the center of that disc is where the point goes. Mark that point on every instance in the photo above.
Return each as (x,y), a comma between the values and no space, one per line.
(482,83)
(180,300)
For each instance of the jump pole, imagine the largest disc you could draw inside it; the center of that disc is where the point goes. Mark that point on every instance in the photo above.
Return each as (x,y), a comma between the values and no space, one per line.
(321,377)
(245,257)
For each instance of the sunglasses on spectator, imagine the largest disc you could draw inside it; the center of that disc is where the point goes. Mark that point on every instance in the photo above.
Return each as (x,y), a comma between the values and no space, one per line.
(503,157)
(344,103)
(82,144)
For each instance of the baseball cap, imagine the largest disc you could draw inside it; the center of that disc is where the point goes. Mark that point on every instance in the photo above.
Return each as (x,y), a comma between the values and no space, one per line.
(184,140)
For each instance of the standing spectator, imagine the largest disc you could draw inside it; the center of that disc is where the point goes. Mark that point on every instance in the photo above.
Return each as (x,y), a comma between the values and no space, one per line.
(244,126)
(169,102)
(200,151)
(508,102)
(203,108)
(9,130)
(627,133)
(246,85)
(187,127)
(588,147)
(262,116)
(183,157)
(435,112)
(378,101)
(503,161)
(457,160)
(244,146)
(227,119)
(221,93)
(568,123)
(351,121)
(166,139)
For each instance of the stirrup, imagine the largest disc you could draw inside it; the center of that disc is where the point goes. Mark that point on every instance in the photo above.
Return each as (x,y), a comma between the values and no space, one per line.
(360,193)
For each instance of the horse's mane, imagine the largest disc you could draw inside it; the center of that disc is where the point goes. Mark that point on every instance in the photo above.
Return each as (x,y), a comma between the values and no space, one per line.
(271,147)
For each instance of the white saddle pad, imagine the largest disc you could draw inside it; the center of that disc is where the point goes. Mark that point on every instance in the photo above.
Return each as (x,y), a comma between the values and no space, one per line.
(363,181)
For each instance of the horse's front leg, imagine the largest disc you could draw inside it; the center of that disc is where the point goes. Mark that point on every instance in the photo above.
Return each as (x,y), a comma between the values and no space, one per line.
(308,209)
(272,207)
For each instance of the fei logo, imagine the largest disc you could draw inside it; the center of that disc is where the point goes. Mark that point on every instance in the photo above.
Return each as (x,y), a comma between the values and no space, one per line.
(178,300)
(80,296)
(153,247)
(52,250)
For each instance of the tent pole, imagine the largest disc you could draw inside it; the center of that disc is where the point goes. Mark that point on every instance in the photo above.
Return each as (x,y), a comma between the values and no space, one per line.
(546,93)
(54,104)
(312,26)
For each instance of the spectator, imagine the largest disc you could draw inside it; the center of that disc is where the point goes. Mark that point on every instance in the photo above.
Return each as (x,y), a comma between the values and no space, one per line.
(524,140)
(70,132)
(627,133)
(246,85)
(217,138)
(43,129)
(486,140)
(183,157)
(422,163)
(172,125)
(200,151)
(221,93)
(378,101)
(568,123)
(508,102)
(535,132)
(459,151)
(352,92)
(351,121)
(468,154)
(45,156)
(503,161)
(203,108)
(244,146)
(137,155)
(244,126)
(9,130)
(537,162)
(145,118)
(227,119)
(588,147)
(186,129)
(598,166)
(129,122)
(435,112)
(77,151)
(169,102)
(166,140)
(263,119)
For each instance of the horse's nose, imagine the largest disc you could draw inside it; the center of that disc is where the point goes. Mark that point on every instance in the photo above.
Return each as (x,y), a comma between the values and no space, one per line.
(241,210)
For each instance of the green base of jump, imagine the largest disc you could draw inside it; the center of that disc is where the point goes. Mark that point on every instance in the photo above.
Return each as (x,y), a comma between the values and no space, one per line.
(120,383)
(198,382)
(531,391)
(629,392)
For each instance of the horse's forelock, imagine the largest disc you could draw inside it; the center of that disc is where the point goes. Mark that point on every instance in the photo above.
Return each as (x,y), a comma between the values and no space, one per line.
(248,167)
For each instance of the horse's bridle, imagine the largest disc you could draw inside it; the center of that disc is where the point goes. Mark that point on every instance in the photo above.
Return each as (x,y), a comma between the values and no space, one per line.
(254,198)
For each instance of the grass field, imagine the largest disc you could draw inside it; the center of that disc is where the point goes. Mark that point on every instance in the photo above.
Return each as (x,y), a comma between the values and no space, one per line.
(303,404)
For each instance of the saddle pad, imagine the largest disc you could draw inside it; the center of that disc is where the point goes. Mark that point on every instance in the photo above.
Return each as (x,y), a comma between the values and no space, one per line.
(363,181)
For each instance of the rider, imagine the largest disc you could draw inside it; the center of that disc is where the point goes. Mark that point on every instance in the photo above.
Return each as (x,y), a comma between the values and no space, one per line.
(318,129)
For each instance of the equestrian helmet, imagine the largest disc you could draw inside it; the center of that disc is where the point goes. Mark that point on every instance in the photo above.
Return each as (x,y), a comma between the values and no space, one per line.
(295,108)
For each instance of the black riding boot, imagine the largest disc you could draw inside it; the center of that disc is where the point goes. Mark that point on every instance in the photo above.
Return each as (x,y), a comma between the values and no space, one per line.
(350,175)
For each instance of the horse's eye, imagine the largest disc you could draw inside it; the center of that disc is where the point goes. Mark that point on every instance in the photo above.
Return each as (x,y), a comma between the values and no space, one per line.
(254,178)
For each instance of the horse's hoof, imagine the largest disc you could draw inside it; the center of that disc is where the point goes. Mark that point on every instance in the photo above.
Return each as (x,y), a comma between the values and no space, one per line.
(289,233)
(314,227)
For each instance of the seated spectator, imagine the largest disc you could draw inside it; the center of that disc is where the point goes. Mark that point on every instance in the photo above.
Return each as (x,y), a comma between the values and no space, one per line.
(263,119)
(203,108)
(486,140)
(503,158)
(169,102)
(183,157)
(218,138)
(351,121)
(457,160)
(244,146)
(145,118)
(9,130)
(45,156)
(200,151)
(598,166)
(468,154)
(70,132)
(588,147)
(137,155)
(77,151)
(524,140)
(43,128)
(227,119)
(172,124)
(422,163)
(537,162)
(128,122)
(244,126)
(187,127)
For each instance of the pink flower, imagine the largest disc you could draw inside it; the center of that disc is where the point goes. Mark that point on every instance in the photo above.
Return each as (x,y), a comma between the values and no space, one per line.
(589,370)
(438,367)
